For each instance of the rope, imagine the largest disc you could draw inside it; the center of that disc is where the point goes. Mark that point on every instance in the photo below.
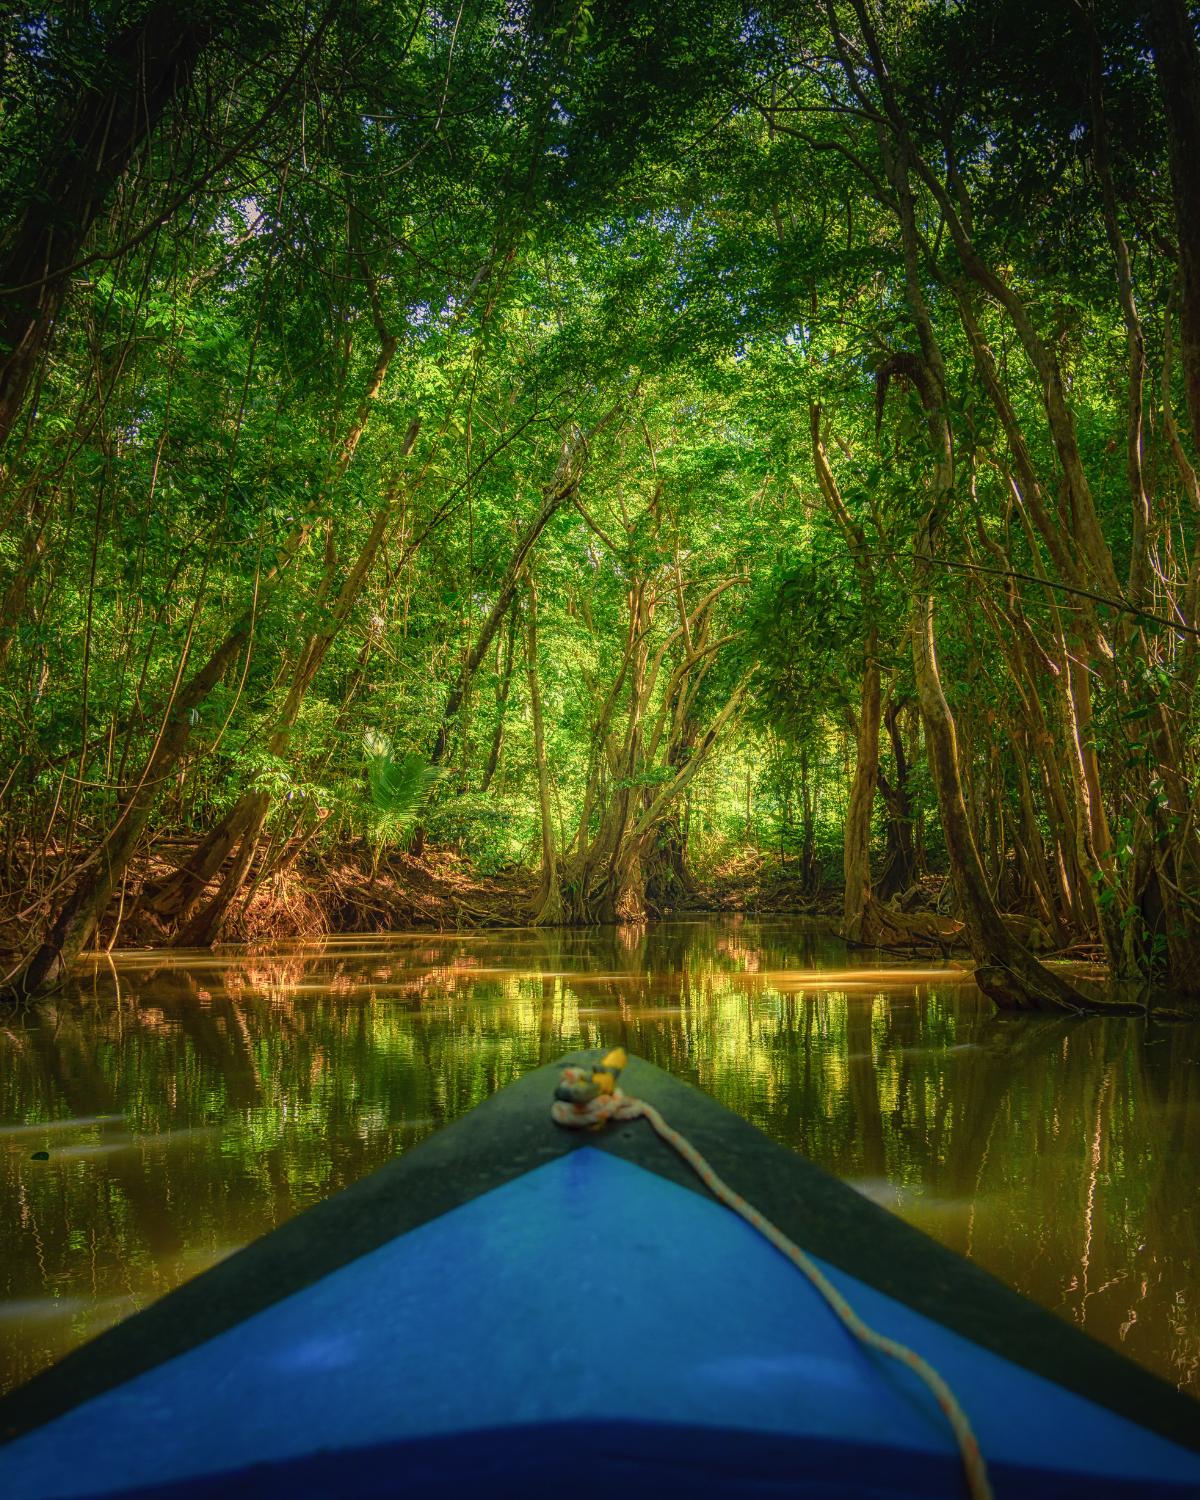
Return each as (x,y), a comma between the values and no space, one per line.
(594,1114)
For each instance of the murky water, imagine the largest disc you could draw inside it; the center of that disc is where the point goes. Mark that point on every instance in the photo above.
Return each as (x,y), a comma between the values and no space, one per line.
(187,1107)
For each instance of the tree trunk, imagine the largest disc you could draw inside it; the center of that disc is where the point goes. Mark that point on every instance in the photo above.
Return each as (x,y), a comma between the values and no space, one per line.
(1177,64)
(810,872)
(856,862)
(205,927)
(1031,851)
(502,691)
(1007,972)
(900,867)
(80,915)
(144,69)
(548,907)
(174,898)
(562,489)
(244,822)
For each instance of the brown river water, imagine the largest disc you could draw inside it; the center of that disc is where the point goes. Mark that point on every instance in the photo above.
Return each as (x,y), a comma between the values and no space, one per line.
(190,1103)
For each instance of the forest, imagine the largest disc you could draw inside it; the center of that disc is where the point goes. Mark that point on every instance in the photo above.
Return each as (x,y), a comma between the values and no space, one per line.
(602,460)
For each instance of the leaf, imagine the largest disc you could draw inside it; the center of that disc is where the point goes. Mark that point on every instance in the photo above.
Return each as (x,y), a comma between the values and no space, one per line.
(398,784)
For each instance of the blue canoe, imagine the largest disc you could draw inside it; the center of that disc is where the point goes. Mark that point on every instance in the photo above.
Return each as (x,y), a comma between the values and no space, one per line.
(512,1309)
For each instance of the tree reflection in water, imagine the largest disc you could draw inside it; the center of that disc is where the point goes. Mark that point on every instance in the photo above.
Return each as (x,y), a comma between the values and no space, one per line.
(189,1105)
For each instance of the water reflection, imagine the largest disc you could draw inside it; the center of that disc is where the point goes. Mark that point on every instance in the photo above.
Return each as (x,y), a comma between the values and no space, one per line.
(187,1106)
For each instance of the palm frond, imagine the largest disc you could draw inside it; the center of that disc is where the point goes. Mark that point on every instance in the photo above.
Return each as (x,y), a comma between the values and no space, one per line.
(398,784)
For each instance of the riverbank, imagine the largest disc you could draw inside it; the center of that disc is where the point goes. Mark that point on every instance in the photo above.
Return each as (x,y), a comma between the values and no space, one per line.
(442,890)
(347,893)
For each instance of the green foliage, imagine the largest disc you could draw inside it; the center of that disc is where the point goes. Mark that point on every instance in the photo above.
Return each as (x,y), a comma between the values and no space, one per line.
(495,834)
(630,254)
(398,786)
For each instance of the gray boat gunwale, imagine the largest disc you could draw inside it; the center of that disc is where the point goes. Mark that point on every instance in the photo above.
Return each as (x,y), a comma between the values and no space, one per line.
(511,1133)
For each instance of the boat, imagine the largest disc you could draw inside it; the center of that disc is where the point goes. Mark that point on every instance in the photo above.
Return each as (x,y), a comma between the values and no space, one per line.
(513,1308)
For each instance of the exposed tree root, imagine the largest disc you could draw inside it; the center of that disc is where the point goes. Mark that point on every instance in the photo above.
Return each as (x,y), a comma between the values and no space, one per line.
(1011,991)
(880,926)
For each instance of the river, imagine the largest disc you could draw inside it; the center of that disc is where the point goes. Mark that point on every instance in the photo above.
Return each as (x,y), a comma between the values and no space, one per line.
(186,1104)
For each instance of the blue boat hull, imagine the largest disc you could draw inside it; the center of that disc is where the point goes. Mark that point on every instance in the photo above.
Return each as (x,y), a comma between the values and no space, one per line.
(586,1320)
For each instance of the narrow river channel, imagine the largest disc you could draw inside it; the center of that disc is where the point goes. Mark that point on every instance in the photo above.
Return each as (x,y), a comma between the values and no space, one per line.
(180,1106)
